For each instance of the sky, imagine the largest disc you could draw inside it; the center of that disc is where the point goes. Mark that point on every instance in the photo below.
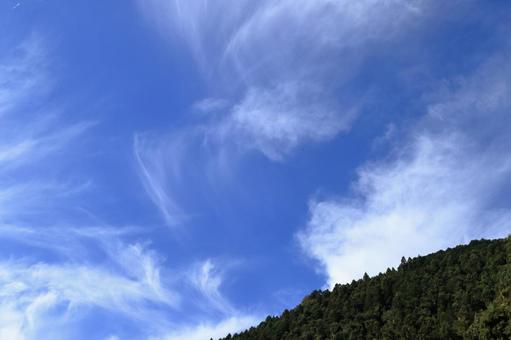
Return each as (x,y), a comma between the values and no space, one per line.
(179,169)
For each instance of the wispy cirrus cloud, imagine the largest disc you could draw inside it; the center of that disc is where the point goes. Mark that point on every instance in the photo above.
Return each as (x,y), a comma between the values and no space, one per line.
(36,142)
(178,168)
(22,71)
(58,273)
(441,187)
(99,271)
(207,278)
(271,85)
(31,134)
(161,164)
(205,330)
(39,296)
(280,78)
(12,152)
(51,276)
(256,124)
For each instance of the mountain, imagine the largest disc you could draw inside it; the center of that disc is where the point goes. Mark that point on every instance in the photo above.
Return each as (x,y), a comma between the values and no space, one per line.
(459,293)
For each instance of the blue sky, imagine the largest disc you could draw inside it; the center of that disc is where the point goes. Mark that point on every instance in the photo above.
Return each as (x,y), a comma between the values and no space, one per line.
(180,169)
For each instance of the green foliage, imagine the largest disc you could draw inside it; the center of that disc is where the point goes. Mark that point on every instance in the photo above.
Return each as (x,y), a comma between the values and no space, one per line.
(460,293)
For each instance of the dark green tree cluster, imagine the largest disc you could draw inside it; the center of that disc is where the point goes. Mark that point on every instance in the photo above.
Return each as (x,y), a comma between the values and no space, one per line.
(459,293)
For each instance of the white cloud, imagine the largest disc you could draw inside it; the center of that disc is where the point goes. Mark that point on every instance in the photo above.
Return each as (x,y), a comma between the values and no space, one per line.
(112,337)
(34,296)
(23,143)
(160,169)
(22,72)
(78,269)
(132,260)
(178,168)
(31,135)
(277,121)
(443,186)
(123,279)
(280,62)
(12,152)
(211,105)
(144,266)
(95,271)
(70,272)
(207,278)
(206,330)
(272,84)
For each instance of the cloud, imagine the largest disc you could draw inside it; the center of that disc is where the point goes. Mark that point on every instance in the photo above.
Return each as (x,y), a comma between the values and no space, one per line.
(177,169)
(280,77)
(57,275)
(207,330)
(32,135)
(272,85)
(12,152)
(207,278)
(80,285)
(276,121)
(210,105)
(159,164)
(35,144)
(21,201)
(41,295)
(22,71)
(89,270)
(100,273)
(443,185)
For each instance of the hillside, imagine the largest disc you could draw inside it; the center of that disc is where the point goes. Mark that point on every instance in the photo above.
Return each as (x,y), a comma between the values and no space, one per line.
(459,293)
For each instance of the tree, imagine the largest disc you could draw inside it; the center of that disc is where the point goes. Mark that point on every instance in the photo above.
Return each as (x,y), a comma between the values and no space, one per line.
(464,292)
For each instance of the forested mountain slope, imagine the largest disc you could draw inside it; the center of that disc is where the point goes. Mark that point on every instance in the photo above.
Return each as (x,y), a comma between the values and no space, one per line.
(459,293)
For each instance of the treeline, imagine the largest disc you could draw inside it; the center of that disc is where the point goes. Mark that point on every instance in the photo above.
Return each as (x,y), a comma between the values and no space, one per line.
(459,293)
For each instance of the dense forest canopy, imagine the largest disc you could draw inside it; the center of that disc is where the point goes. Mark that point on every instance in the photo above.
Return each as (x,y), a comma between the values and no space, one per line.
(459,293)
